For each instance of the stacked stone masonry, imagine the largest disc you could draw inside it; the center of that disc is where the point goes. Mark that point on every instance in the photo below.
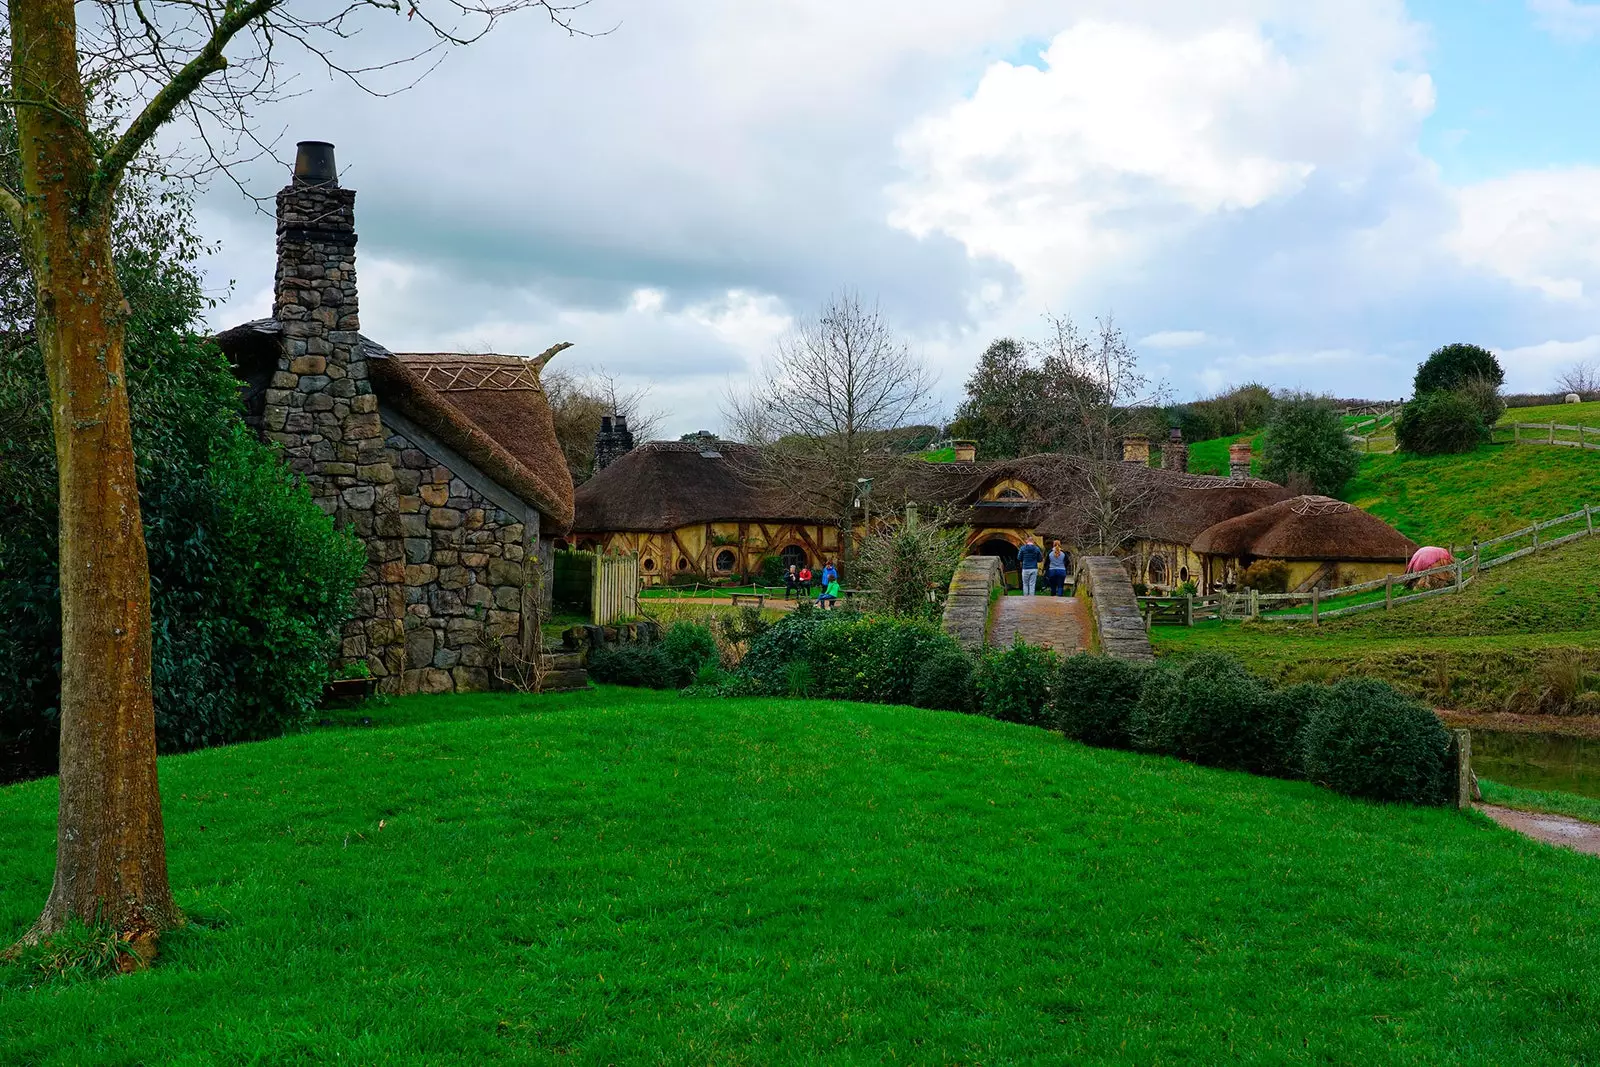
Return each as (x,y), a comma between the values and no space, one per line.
(445,573)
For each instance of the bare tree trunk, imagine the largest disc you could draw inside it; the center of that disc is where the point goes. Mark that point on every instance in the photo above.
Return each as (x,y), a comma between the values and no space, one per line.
(110,851)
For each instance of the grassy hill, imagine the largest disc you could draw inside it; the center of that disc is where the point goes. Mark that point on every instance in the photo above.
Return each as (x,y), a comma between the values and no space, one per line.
(1490,648)
(625,877)
(1587,414)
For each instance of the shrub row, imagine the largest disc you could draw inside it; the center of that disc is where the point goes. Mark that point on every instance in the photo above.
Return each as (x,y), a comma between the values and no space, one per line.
(1360,736)
(673,662)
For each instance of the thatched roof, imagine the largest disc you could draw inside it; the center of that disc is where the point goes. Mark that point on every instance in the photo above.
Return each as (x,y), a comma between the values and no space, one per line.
(1307,528)
(667,484)
(491,409)
(663,485)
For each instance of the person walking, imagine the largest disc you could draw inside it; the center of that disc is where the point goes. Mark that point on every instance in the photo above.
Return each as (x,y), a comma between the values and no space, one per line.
(1055,569)
(1029,557)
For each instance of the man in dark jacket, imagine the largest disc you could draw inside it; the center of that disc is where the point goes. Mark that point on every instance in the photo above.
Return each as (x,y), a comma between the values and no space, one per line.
(1029,556)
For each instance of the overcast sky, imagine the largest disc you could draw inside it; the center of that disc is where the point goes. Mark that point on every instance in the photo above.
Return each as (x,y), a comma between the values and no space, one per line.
(1309,193)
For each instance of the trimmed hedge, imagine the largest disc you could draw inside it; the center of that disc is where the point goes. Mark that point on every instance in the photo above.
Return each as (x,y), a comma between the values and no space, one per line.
(1015,684)
(944,681)
(1361,737)
(674,662)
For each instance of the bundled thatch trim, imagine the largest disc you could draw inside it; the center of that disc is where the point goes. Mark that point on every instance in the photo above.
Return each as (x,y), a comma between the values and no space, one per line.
(508,433)
(1307,528)
(664,485)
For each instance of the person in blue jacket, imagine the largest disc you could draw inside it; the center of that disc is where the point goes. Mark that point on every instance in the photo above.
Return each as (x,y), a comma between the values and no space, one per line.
(1029,556)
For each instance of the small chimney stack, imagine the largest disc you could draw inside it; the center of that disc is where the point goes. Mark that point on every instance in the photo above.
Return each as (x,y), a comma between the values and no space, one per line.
(1136,449)
(1175,454)
(612,442)
(314,165)
(1239,460)
(966,451)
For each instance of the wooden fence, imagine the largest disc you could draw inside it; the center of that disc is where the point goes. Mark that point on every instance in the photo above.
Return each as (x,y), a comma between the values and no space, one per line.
(1552,433)
(1378,435)
(1397,588)
(615,594)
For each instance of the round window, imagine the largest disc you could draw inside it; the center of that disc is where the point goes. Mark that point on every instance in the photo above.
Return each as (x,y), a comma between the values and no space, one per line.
(649,564)
(726,559)
(683,563)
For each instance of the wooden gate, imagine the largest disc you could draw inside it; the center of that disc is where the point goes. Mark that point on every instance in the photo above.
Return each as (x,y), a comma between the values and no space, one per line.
(616,588)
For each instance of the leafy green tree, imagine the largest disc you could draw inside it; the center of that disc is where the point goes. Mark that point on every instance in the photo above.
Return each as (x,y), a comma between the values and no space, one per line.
(249,580)
(908,566)
(1443,421)
(1455,366)
(1305,446)
(1003,392)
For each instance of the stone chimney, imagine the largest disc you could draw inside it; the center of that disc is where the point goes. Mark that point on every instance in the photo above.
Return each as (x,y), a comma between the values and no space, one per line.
(1175,454)
(321,407)
(966,451)
(1239,459)
(1136,449)
(613,441)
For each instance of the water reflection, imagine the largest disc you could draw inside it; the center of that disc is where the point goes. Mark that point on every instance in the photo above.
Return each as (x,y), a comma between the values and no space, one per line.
(1538,761)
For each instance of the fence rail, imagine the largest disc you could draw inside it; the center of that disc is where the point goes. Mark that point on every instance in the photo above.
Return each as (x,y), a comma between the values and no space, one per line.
(1545,433)
(615,594)
(1461,573)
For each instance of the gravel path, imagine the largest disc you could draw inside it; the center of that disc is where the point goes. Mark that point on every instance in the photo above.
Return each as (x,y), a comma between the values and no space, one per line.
(1556,830)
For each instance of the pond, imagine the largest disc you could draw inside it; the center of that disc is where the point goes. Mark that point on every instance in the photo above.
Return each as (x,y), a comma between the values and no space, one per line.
(1538,761)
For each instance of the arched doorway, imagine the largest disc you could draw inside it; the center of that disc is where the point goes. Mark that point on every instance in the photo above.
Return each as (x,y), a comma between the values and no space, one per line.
(792,556)
(1156,571)
(1007,553)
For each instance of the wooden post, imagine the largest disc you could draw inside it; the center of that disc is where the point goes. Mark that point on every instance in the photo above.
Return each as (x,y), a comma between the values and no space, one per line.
(1188,610)
(1461,765)
(1552,431)
(1255,603)
(1536,537)
(1316,605)
(1388,592)
(1516,433)
(1588,519)
(1459,565)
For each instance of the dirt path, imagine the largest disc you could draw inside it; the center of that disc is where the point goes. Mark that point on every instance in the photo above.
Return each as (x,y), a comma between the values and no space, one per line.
(1552,829)
(1050,622)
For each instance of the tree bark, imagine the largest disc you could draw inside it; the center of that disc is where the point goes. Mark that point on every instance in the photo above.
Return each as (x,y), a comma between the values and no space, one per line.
(110,850)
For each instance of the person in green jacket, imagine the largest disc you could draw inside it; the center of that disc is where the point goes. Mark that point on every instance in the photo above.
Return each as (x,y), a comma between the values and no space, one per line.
(829,595)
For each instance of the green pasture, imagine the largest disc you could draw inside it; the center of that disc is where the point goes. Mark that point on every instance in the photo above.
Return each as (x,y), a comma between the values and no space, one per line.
(626,877)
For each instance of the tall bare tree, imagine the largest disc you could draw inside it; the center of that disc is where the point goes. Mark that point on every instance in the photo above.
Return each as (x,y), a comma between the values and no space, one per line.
(578,401)
(1582,378)
(821,406)
(149,61)
(1101,398)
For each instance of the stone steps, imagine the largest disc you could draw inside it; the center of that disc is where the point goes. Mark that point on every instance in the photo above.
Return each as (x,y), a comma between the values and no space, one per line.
(564,671)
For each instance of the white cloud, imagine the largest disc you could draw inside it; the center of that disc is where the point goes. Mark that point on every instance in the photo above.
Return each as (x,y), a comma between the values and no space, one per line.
(1539,229)
(1128,136)
(1174,339)
(1567,18)
(1533,368)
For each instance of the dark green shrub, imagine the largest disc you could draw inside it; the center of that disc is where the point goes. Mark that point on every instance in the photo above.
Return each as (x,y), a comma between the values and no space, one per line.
(1266,576)
(1305,446)
(772,570)
(873,659)
(1366,739)
(1440,423)
(1015,684)
(686,649)
(636,664)
(944,681)
(1453,366)
(1095,697)
(767,663)
(1288,709)
(1212,711)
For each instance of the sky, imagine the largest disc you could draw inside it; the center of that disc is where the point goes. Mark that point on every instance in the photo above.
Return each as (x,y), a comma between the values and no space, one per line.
(1313,194)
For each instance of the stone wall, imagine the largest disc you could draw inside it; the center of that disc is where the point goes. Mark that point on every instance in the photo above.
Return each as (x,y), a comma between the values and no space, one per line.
(446,559)
(966,609)
(1116,610)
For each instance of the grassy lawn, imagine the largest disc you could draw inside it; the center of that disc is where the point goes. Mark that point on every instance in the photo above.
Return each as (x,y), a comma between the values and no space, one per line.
(1587,414)
(1436,500)
(1570,804)
(624,877)
(1211,457)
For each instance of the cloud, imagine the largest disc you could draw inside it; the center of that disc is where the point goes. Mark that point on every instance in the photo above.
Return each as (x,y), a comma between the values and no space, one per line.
(1539,229)
(1567,18)
(1174,339)
(1533,368)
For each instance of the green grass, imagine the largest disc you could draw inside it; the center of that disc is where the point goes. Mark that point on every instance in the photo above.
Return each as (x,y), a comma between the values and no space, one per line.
(1437,500)
(1555,803)
(1483,649)
(1586,414)
(617,877)
(1211,457)
(938,455)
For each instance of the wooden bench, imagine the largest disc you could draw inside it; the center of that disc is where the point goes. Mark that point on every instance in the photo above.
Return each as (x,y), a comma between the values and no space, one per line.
(749,600)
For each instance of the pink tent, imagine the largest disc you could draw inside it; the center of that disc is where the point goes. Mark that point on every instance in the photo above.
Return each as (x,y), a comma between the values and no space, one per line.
(1428,558)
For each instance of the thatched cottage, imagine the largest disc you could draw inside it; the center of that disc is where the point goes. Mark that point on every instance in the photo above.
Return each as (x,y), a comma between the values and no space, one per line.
(445,465)
(1321,542)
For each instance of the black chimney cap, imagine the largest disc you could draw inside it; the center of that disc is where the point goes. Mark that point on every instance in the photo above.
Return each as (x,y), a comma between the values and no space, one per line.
(605,423)
(1175,434)
(622,423)
(314,165)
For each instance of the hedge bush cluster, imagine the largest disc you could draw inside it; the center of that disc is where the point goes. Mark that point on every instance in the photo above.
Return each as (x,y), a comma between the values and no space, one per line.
(674,662)
(1360,737)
